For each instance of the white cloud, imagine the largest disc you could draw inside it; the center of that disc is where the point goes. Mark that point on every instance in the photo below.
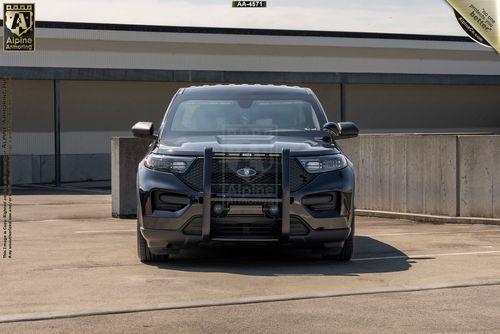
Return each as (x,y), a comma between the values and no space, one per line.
(398,16)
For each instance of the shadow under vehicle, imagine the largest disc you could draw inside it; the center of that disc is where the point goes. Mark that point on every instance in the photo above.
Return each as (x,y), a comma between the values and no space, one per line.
(370,256)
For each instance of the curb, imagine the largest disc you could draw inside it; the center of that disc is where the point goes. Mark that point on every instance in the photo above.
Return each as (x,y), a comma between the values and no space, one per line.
(418,217)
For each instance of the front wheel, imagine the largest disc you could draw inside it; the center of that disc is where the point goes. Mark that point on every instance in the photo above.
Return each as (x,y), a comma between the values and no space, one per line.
(347,250)
(143,251)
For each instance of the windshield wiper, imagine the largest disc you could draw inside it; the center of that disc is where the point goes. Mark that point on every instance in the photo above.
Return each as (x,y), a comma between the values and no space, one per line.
(289,130)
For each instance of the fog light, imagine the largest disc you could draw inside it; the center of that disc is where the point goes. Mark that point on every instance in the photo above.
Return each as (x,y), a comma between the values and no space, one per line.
(220,210)
(271,210)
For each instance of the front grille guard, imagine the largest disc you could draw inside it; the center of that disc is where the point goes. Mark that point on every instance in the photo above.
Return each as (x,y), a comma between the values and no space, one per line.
(207,194)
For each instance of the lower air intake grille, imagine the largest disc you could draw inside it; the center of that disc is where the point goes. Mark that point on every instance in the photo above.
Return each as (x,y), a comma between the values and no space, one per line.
(253,230)
(234,226)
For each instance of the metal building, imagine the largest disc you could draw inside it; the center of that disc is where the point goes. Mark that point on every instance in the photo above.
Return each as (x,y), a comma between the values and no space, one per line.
(89,82)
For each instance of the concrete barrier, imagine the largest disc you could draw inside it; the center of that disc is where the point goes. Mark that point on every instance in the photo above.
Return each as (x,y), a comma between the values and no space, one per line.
(33,169)
(479,176)
(445,175)
(126,153)
(405,173)
(424,174)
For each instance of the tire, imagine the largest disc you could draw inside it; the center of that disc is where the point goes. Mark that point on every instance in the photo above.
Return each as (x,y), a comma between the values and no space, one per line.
(143,251)
(347,250)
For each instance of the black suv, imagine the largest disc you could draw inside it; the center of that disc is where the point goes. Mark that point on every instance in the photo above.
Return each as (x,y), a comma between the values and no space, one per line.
(253,164)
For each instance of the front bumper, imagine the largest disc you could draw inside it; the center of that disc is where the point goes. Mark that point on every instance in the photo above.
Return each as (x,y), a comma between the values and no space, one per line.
(168,241)
(165,230)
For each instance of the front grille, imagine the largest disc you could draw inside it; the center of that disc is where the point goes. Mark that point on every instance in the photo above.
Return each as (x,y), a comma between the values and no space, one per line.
(265,183)
(267,180)
(193,177)
(299,177)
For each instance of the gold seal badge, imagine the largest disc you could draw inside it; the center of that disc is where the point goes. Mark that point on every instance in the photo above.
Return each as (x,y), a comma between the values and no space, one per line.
(479,19)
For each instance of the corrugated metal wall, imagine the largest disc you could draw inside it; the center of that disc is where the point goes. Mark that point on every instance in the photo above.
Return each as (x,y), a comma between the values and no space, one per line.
(94,111)
(424,108)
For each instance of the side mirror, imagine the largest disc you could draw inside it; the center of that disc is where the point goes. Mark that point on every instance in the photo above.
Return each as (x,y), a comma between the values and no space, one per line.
(348,130)
(332,128)
(341,130)
(143,130)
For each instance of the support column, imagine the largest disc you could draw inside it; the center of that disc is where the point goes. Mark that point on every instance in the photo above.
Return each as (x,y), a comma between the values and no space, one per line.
(57,132)
(343,111)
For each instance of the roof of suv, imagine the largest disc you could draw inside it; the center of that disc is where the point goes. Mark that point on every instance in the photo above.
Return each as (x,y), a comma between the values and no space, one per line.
(246,89)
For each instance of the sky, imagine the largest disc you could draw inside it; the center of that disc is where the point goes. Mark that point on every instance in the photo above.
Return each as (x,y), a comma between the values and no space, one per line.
(392,16)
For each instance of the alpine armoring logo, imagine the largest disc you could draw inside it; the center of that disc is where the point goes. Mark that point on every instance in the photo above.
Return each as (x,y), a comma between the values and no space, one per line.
(19,27)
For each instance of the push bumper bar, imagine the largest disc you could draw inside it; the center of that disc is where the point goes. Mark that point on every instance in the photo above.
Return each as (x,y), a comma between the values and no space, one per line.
(207,195)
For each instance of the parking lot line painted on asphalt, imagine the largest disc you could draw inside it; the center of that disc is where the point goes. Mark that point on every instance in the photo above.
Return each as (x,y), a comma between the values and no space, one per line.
(368,235)
(430,233)
(27,317)
(103,231)
(56,220)
(416,256)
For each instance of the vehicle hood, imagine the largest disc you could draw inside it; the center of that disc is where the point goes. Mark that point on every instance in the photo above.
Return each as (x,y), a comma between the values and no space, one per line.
(195,145)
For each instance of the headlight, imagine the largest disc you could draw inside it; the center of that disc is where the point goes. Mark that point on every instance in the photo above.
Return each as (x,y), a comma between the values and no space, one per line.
(168,163)
(325,163)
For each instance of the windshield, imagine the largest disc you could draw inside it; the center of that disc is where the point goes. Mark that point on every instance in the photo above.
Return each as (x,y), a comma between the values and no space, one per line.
(244,116)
